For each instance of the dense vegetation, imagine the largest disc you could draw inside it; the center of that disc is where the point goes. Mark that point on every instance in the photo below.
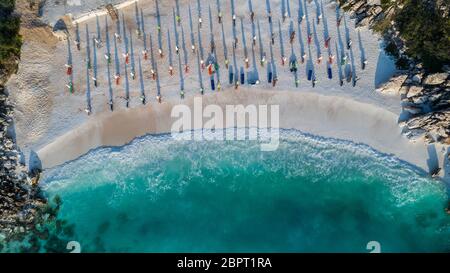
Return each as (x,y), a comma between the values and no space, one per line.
(425,27)
(10,40)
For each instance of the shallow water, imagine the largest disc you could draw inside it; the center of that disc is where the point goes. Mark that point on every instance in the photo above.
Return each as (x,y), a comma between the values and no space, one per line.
(311,195)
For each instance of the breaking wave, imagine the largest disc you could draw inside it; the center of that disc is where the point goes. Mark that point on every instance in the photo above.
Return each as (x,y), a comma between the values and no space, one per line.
(298,198)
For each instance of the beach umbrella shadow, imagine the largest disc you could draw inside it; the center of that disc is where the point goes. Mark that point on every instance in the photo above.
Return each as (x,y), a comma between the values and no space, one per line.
(362,52)
(348,72)
(385,69)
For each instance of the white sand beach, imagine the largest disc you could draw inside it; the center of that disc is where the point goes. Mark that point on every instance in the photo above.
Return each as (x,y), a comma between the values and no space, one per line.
(51,121)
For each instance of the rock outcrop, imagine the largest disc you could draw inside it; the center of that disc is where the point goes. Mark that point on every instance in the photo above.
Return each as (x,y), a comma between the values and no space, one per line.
(427,103)
(432,127)
(425,100)
(365,13)
(394,86)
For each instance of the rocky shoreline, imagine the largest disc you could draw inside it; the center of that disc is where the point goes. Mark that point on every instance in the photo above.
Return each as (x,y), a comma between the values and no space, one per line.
(26,217)
(20,197)
(425,97)
(365,12)
(19,193)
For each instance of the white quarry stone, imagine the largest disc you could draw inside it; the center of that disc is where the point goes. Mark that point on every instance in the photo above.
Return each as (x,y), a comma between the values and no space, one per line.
(437,78)
(417,78)
(414,91)
(393,86)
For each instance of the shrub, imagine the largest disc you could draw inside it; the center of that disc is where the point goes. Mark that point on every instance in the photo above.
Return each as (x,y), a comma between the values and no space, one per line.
(426,30)
(10,40)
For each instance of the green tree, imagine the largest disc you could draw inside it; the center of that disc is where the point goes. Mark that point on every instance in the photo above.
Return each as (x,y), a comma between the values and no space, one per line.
(10,40)
(425,27)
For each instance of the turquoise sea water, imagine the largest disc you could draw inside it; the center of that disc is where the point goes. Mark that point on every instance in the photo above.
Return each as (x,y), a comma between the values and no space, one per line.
(311,195)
